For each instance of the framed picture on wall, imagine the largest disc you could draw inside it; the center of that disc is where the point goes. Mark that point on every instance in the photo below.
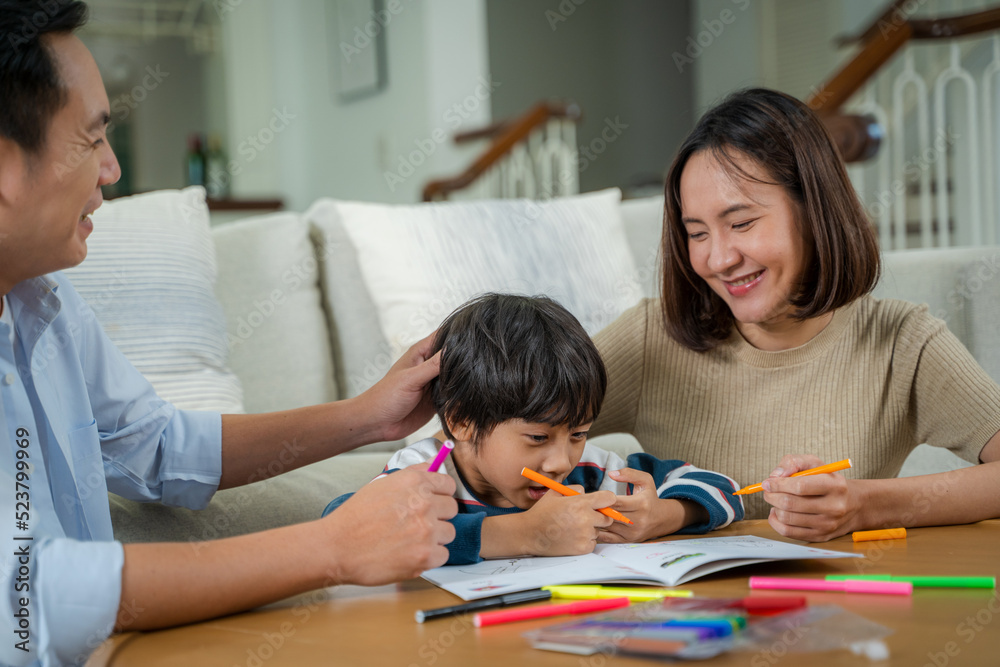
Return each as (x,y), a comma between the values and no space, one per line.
(357,47)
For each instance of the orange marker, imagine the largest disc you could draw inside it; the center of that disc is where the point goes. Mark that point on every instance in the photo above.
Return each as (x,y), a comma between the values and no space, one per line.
(886,534)
(566,491)
(829,467)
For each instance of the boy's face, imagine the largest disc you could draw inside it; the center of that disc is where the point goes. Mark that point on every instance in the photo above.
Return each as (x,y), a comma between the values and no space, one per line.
(494,471)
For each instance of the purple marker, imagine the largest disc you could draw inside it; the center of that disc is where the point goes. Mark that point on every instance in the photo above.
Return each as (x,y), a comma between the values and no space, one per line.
(441,455)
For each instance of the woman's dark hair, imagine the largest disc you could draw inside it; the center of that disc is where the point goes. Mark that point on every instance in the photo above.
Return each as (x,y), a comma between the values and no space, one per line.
(507,357)
(30,84)
(785,139)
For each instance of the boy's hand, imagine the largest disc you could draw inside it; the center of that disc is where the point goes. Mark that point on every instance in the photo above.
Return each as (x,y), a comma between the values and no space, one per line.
(567,525)
(651,515)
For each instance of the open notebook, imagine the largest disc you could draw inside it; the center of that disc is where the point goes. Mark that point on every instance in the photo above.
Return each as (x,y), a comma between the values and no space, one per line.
(660,563)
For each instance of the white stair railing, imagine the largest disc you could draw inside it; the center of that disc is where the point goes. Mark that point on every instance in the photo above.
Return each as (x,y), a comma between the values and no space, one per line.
(535,157)
(934,180)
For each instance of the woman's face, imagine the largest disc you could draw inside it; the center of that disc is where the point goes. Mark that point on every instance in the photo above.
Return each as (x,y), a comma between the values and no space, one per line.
(745,240)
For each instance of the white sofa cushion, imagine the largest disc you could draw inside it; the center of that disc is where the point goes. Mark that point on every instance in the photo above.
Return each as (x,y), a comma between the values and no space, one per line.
(979,288)
(293,497)
(930,276)
(277,331)
(421,262)
(961,287)
(361,353)
(150,278)
(643,220)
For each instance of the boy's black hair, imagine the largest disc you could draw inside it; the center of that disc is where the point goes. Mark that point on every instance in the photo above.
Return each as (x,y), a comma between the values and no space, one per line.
(508,356)
(31,88)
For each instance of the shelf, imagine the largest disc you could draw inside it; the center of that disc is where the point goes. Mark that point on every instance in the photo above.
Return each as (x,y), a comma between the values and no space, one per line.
(246,204)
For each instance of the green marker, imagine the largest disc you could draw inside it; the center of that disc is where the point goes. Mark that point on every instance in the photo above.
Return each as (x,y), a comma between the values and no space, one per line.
(923,582)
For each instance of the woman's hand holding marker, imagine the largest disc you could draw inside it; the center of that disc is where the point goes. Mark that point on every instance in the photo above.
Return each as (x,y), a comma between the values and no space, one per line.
(809,504)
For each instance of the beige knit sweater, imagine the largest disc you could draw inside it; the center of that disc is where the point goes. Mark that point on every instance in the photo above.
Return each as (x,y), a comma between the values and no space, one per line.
(881,378)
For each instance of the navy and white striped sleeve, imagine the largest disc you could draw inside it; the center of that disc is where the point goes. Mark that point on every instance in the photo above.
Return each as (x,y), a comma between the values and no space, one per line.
(683,481)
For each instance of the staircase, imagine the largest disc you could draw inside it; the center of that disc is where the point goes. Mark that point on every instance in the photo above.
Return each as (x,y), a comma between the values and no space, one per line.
(915,111)
(533,156)
(927,74)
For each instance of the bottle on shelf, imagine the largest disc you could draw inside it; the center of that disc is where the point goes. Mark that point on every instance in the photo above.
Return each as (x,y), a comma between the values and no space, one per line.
(216,177)
(195,160)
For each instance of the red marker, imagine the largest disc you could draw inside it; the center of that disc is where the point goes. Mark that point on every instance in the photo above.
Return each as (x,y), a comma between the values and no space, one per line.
(581,607)
(766,605)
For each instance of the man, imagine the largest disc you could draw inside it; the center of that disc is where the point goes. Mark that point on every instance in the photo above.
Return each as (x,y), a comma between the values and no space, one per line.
(86,412)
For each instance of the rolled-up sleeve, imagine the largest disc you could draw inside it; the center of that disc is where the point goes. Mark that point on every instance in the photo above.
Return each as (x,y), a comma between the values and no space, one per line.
(192,466)
(66,604)
(78,591)
(181,467)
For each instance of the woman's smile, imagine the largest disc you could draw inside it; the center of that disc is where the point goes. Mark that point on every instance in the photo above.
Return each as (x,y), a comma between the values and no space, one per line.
(742,286)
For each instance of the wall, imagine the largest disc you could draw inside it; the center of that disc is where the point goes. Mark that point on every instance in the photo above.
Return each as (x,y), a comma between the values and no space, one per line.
(727,56)
(614,59)
(156,90)
(783,44)
(642,70)
(383,147)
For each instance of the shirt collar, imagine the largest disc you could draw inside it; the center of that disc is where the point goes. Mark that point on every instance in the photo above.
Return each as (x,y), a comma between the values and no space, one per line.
(35,299)
(6,317)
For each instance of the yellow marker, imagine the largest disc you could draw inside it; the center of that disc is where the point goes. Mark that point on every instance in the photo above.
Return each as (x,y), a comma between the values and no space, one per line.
(829,467)
(602,592)
(887,534)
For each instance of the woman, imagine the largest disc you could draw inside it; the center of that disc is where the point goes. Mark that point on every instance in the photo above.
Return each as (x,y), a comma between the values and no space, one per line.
(766,342)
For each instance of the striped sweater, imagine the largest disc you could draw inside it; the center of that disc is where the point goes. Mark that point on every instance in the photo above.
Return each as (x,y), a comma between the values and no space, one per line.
(674,479)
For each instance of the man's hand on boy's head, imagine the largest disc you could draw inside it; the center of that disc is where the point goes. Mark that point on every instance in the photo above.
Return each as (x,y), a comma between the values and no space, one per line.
(567,525)
(651,515)
(400,403)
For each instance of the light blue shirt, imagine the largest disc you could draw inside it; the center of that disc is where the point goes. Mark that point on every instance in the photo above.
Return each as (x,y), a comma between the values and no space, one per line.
(78,421)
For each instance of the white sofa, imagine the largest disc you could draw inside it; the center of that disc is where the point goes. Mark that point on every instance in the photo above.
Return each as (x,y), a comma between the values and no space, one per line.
(303,329)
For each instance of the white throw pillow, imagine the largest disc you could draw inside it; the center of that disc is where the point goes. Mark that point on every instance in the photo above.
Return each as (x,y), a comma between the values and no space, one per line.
(150,278)
(420,262)
(269,288)
(643,220)
(980,291)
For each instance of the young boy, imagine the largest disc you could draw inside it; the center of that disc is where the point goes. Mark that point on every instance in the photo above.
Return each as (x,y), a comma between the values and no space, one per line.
(520,384)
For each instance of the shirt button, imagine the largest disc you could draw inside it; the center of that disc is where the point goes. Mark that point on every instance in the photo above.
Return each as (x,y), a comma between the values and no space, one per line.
(8,379)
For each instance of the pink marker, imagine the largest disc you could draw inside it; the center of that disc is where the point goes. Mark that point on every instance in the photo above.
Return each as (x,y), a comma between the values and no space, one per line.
(855,586)
(485,618)
(441,455)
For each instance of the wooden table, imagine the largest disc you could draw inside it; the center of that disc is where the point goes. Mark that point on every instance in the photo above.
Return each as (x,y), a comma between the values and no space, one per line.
(351,625)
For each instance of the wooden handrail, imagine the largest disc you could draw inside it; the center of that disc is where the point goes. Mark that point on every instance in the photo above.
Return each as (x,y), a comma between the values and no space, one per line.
(956,26)
(883,39)
(876,26)
(510,133)
(487,132)
(855,73)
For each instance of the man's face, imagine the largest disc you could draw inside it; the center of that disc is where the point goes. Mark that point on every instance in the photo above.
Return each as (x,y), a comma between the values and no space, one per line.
(46,199)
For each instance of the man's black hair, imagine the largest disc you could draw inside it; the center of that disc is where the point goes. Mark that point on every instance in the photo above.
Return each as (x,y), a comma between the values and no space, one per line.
(509,357)
(31,90)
